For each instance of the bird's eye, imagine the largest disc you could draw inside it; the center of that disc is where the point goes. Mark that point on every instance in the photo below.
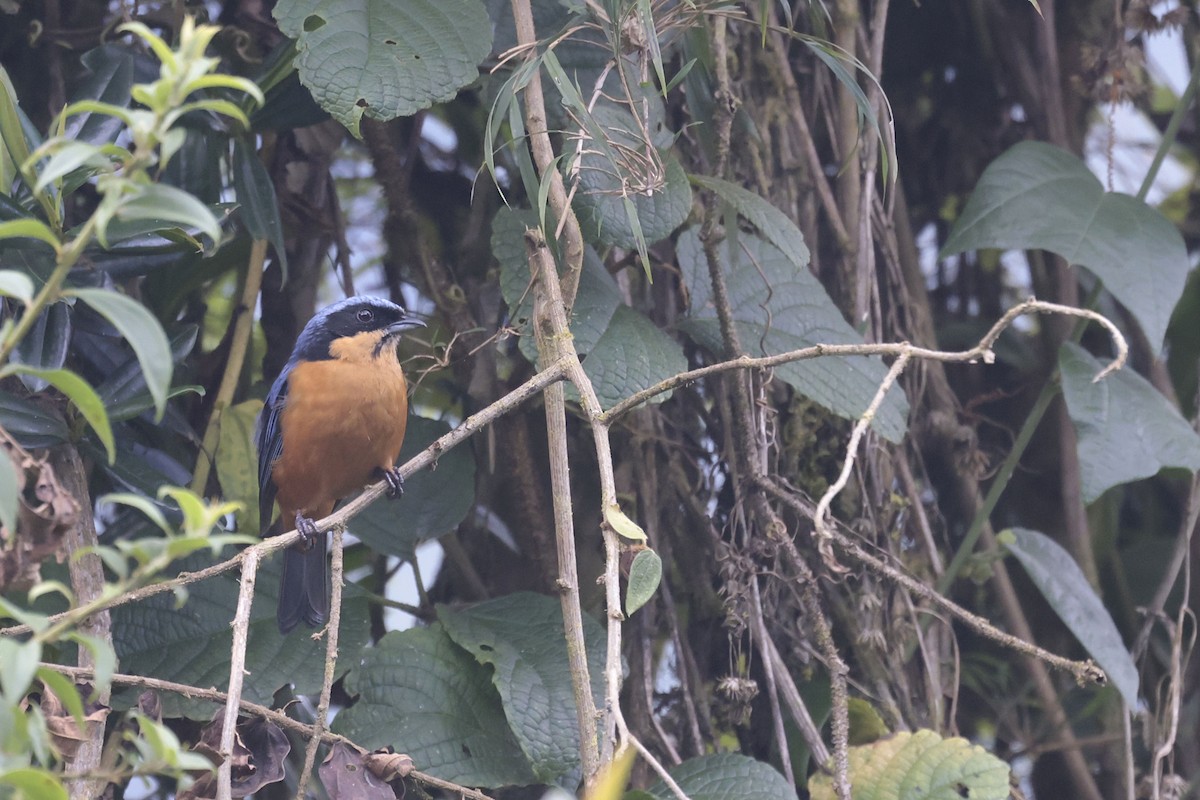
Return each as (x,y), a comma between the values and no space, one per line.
(365,315)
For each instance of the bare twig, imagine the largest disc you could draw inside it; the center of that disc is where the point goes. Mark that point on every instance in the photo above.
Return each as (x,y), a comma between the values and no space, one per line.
(237,671)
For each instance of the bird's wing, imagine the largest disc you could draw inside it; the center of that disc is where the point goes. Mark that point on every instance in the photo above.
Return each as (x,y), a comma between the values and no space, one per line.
(270,445)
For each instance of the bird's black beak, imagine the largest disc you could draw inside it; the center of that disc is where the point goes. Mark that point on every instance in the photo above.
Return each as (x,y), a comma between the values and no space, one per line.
(397,328)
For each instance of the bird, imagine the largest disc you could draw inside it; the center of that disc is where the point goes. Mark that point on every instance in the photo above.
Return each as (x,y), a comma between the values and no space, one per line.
(333,422)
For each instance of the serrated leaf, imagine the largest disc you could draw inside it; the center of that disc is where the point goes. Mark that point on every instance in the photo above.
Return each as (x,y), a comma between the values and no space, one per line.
(1037,196)
(1066,589)
(726,776)
(10,484)
(777,307)
(191,644)
(632,354)
(920,766)
(645,574)
(772,223)
(237,461)
(521,637)
(435,500)
(140,328)
(385,58)
(426,696)
(81,394)
(256,196)
(603,188)
(1126,429)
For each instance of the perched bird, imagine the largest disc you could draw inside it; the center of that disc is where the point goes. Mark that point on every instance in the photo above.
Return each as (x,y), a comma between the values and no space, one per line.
(332,423)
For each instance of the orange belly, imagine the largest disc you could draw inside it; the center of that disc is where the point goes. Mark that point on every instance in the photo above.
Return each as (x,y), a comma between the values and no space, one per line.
(342,421)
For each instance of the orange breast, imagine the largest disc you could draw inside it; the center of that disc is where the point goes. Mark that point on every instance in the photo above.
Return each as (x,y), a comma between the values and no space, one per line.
(343,420)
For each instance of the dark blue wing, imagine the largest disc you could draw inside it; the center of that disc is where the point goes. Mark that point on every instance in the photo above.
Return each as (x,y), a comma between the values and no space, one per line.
(270,445)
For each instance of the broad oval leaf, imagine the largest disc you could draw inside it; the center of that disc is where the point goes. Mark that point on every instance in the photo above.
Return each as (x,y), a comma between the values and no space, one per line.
(1066,589)
(1037,196)
(423,694)
(1126,429)
(385,58)
(645,574)
(780,306)
(920,766)
(142,331)
(521,637)
(726,776)
(772,223)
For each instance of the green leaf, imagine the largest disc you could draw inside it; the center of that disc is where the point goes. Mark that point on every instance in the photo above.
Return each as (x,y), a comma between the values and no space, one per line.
(777,307)
(385,58)
(79,392)
(29,228)
(1038,196)
(14,148)
(727,776)
(435,500)
(645,574)
(20,660)
(139,327)
(256,196)
(772,223)
(108,80)
(237,461)
(424,695)
(46,344)
(521,637)
(64,690)
(68,157)
(191,644)
(10,500)
(16,284)
(633,354)
(1126,429)
(1065,587)
(30,424)
(32,782)
(157,201)
(920,766)
(103,656)
(603,187)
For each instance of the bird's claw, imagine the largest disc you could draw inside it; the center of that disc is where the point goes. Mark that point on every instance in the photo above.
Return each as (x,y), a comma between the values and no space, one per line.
(308,532)
(395,481)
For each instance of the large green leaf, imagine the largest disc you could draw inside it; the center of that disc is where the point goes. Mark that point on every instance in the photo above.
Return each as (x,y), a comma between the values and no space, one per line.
(161,205)
(779,306)
(424,695)
(521,637)
(772,223)
(633,354)
(142,331)
(1126,429)
(80,393)
(191,645)
(727,776)
(595,302)
(385,58)
(920,766)
(256,196)
(1065,587)
(603,184)
(1038,196)
(435,500)
(30,424)
(109,78)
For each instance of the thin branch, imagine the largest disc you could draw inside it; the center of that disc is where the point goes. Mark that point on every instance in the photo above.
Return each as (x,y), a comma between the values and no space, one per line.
(237,671)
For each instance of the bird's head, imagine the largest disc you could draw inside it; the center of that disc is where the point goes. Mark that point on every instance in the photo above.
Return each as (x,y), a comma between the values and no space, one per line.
(357,328)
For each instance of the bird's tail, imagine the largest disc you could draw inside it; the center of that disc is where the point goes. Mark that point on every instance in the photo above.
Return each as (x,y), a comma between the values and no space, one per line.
(304,587)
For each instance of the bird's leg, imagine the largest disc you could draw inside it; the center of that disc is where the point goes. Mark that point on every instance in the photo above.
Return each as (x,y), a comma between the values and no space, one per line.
(395,480)
(308,532)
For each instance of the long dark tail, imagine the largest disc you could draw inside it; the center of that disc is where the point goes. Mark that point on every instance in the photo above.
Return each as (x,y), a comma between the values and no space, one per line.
(304,587)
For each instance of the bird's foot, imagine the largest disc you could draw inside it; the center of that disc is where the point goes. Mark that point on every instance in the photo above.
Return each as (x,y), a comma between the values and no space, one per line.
(395,481)
(308,533)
